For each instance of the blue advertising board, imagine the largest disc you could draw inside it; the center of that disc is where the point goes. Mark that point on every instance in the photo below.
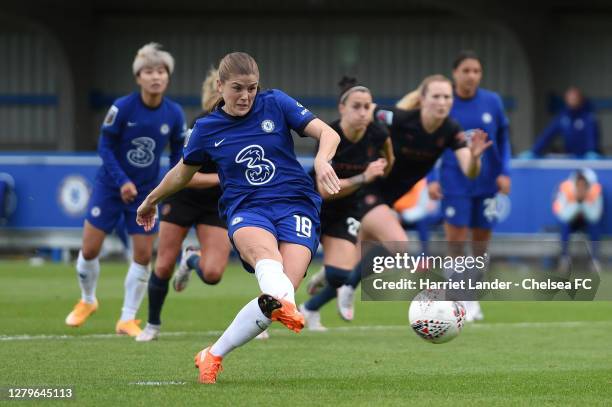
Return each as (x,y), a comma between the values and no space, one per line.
(53,191)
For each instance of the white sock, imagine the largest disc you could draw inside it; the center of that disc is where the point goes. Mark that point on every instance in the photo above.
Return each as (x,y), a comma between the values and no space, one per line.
(135,287)
(88,272)
(249,323)
(273,281)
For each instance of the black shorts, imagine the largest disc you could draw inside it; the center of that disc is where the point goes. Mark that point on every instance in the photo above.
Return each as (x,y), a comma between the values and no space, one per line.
(341,223)
(188,207)
(371,196)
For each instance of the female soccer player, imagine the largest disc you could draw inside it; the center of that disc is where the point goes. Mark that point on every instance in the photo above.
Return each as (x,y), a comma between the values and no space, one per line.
(358,162)
(197,207)
(469,205)
(419,137)
(134,134)
(268,200)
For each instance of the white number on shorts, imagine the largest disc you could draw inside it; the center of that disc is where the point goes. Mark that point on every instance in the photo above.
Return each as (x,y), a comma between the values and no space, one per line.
(303,226)
(353,226)
(490,209)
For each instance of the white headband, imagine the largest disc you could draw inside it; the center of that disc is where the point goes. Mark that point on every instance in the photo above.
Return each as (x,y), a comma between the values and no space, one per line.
(358,88)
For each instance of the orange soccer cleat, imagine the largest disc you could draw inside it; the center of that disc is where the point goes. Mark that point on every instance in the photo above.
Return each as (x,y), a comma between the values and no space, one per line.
(130,327)
(282,311)
(209,366)
(81,311)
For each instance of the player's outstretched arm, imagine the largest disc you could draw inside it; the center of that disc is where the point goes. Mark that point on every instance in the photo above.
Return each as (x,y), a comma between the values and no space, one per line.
(469,157)
(174,180)
(328,142)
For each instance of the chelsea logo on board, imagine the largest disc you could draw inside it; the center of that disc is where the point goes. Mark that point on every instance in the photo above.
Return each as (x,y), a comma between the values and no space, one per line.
(267,126)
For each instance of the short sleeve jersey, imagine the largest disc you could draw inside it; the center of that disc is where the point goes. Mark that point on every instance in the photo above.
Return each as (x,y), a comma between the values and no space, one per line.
(142,135)
(416,151)
(352,158)
(254,153)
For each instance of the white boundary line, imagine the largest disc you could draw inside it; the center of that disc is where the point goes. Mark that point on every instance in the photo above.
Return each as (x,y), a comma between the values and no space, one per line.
(494,325)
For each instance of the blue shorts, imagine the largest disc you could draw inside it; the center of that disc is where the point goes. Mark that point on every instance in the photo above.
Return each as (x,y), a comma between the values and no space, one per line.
(106,208)
(470,211)
(292,222)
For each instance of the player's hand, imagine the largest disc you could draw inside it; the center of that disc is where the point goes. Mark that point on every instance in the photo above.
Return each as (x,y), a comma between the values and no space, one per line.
(435,191)
(326,176)
(128,192)
(146,215)
(504,184)
(374,170)
(479,143)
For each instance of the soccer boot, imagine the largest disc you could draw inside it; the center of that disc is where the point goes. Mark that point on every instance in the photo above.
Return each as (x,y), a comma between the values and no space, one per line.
(282,311)
(312,319)
(208,365)
(346,295)
(149,333)
(316,282)
(81,311)
(130,327)
(183,273)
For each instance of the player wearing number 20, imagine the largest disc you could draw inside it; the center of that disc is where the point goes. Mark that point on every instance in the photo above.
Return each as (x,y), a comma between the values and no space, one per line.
(135,132)
(268,201)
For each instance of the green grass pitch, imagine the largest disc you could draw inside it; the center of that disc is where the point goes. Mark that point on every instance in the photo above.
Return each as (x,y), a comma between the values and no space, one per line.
(522,354)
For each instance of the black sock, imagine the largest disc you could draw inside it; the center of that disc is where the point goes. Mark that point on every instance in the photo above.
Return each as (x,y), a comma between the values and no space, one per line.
(335,277)
(158,289)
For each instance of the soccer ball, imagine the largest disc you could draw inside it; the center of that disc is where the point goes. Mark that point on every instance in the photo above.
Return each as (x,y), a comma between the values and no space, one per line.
(433,319)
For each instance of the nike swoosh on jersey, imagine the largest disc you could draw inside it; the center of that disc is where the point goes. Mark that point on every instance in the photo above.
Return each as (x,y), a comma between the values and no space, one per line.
(131,124)
(218,143)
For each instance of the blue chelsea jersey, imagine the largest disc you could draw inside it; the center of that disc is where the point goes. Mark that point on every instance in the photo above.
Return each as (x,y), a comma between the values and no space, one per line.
(255,153)
(133,137)
(483,111)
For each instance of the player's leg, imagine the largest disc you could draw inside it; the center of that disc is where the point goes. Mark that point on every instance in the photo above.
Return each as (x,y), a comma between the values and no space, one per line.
(105,207)
(215,249)
(88,272)
(258,249)
(171,237)
(339,257)
(382,224)
(136,280)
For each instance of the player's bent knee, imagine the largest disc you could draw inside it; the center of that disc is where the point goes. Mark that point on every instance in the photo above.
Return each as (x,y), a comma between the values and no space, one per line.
(164,272)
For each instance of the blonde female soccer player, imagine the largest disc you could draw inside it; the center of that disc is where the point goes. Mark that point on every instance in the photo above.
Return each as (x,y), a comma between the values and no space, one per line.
(268,200)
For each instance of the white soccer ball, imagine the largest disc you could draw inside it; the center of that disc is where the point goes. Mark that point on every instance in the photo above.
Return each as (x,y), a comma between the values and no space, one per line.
(434,320)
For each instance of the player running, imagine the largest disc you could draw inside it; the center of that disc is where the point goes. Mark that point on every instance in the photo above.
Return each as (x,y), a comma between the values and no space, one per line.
(358,162)
(469,205)
(134,134)
(419,138)
(268,200)
(196,206)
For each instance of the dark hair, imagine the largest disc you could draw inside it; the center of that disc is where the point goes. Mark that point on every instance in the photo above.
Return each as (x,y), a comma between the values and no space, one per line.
(346,84)
(466,54)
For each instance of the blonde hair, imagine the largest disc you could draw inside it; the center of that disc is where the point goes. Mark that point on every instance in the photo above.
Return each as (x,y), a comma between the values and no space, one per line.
(210,95)
(151,55)
(237,63)
(412,100)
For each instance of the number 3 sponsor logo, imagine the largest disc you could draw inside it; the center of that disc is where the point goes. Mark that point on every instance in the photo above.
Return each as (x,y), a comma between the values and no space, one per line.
(259,169)
(144,153)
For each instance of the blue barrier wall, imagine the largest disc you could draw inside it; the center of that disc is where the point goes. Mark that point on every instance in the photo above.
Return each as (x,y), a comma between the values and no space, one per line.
(53,191)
